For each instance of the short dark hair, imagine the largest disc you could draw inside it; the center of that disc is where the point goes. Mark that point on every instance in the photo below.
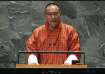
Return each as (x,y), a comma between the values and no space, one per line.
(54,3)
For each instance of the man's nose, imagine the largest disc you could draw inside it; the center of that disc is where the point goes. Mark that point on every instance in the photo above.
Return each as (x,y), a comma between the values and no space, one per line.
(52,16)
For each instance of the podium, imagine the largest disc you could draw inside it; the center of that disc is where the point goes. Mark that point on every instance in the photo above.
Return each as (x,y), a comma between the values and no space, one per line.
(78,65)
(50,66)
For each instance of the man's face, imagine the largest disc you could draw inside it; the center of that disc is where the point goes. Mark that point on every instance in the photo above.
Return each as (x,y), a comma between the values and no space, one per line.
(52,15)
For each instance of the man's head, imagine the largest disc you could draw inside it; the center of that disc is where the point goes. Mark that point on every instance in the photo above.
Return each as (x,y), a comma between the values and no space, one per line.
(52,14)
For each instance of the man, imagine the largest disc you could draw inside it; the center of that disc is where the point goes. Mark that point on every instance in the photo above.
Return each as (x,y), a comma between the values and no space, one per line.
(54,35)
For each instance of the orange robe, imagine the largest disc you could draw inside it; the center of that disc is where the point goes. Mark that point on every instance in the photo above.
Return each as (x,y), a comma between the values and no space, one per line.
(63,38)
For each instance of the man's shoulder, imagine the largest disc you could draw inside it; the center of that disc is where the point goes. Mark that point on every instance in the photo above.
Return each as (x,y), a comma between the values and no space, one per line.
(68,26)
(41,27)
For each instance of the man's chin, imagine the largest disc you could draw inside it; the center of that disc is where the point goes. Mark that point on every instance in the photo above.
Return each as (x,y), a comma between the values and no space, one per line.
(53,24)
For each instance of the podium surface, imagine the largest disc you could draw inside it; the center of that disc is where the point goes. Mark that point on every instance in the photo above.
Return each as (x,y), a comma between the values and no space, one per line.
(50,66)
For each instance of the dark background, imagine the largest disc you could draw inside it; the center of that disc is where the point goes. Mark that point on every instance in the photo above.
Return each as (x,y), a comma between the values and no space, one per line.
(19,18)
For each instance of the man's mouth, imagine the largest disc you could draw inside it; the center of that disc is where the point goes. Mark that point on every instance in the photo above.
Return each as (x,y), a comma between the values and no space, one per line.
(53,23)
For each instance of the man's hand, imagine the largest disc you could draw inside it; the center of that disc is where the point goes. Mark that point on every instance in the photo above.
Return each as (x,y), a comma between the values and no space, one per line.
(32,59)
(70,58)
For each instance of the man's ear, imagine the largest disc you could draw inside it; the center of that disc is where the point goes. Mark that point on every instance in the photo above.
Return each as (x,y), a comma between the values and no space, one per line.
(60,13)
(44,14)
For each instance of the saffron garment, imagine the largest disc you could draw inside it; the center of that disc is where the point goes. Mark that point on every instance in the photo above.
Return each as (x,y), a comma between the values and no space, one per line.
(63,38)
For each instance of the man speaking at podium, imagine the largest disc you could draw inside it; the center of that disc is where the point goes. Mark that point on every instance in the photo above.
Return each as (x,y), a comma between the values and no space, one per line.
(53,35)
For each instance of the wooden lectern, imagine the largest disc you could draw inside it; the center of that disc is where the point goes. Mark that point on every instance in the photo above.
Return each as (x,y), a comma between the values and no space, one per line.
(50,66)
